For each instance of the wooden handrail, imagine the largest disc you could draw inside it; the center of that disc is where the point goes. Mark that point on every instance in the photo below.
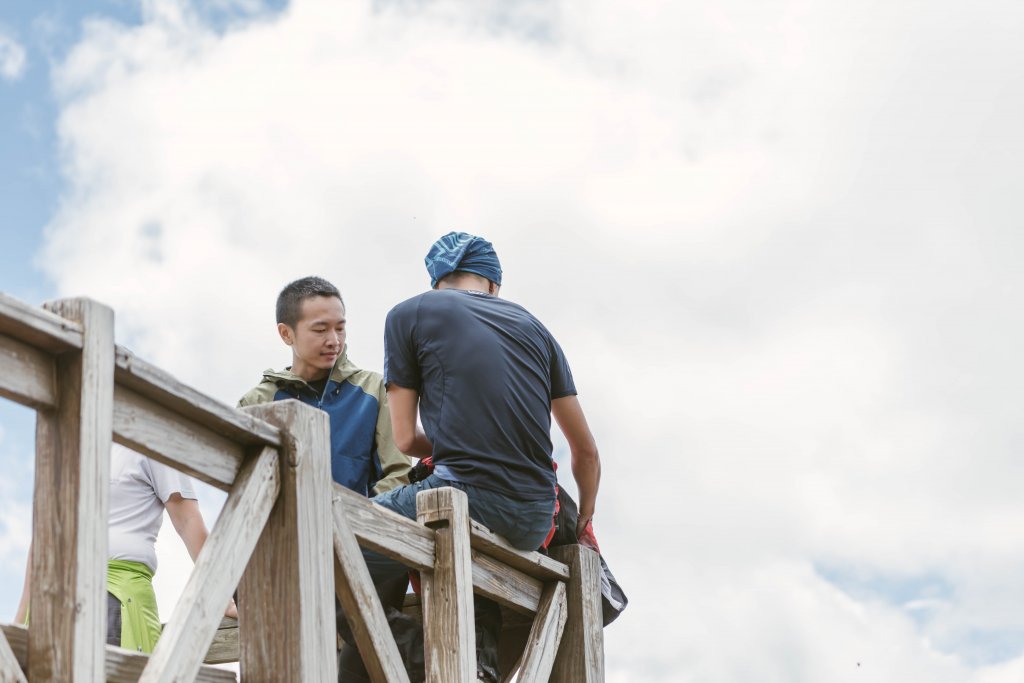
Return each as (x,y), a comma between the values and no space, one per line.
(37,327)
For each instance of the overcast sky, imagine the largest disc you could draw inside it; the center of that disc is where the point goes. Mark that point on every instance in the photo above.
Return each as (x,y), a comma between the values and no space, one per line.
(779,241)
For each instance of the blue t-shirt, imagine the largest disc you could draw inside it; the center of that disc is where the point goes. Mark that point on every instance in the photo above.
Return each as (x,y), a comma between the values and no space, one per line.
(486,371)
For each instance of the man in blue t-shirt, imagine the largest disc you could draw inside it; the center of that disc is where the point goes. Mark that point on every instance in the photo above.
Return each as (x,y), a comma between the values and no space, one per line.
(485,377)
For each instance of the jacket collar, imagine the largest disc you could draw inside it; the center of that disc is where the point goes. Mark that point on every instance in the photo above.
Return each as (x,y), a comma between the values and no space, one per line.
(343,369)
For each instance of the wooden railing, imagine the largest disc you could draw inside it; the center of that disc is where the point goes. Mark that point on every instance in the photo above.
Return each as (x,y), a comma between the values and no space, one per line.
(286,537)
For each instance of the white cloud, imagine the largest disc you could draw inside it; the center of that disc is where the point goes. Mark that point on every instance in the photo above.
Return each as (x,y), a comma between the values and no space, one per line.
(777,240)
(12,57)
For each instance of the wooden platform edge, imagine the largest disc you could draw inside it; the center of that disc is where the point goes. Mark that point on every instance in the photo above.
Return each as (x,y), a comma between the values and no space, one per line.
(123,666)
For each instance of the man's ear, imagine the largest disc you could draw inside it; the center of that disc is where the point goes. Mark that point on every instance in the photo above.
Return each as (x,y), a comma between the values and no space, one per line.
(287,334)
(492,288)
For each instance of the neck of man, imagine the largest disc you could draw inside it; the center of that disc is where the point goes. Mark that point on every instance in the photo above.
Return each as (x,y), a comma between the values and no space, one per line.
(309,373)
(469,282)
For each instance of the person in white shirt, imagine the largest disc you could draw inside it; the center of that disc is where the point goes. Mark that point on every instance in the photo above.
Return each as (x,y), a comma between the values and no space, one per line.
(140,491)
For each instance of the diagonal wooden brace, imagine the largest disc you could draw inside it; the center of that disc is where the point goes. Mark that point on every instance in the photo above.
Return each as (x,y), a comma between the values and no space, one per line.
(187,636)
(355,590)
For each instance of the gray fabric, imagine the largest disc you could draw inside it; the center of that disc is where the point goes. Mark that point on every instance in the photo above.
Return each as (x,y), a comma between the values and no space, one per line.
(113,620)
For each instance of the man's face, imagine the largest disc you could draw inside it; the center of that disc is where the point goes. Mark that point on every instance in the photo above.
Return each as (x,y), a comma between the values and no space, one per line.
(318,338)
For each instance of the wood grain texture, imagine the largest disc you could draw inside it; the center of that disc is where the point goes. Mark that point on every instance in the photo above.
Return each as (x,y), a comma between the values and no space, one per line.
(386,532)
(581,653)
(528,562)
(448,632)
(224,647)
(362,606)
(123,666)
(27,375)
(72,479)
(153,430)
(190,404)
(286,597)
(37,327)
(546,633)
(10,667)
(219,566)
(412,544)
(506,586)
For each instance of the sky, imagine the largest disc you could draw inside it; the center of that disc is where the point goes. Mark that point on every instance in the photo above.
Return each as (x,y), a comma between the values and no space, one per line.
(778,240)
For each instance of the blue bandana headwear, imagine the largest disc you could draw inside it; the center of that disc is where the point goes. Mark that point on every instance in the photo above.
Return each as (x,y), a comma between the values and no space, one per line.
(462,251)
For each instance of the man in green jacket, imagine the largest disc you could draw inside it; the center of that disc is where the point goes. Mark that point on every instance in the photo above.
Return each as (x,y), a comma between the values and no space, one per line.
(311,320)
(364,458)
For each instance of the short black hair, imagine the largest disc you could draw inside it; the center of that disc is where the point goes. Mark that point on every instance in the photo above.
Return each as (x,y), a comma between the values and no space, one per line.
(289,301)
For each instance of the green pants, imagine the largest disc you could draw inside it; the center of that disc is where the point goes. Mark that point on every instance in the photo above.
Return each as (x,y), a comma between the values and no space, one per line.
(132,584)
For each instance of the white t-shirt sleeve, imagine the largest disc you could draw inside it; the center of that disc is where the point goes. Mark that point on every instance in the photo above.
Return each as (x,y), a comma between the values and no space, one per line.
(167,481)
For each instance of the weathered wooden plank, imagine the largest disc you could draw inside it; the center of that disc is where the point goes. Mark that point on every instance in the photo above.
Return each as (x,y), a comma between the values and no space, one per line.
(224,647)
(286,594)
(362,606)
(10,667)
(386,532)
(179,652)
(408,541)
(532,563)
(149,428)
(123,666)
(38,327)
(506,586)
(448,633)
(412,544)
(191,405)
(27,375)
(581,653)
(539,657)
(72,479)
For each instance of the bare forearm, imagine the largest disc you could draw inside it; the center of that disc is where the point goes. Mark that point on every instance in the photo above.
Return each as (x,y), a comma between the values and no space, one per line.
(193,534)
(188,522)
(421,446)
(586,470)
(409,437)
(586,463)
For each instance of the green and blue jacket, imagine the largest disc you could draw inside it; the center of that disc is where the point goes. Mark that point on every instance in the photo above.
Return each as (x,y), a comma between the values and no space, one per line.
(364,457)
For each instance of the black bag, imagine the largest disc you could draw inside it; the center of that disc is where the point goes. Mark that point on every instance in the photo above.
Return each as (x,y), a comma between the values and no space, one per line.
(613,599)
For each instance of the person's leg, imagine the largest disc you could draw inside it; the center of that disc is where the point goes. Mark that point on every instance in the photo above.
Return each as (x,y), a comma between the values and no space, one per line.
(523,523)
(350,665)
(113,620)
(403,501)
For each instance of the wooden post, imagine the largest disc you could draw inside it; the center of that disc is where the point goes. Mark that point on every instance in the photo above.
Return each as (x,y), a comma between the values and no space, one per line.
(286,598)
(581,653)
(67,634)
(448,630)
